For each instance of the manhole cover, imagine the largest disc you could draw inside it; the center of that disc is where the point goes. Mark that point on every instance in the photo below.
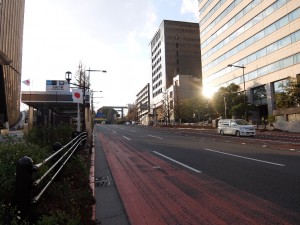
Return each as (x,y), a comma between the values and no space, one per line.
(102,181)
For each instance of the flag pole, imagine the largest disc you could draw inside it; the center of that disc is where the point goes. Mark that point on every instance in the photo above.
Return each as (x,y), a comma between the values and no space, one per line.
(78,118)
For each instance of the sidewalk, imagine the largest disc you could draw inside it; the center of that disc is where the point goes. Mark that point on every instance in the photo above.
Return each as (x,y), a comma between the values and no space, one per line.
(109,209)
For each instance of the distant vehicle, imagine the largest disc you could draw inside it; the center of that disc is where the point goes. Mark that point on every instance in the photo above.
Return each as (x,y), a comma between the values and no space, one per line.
(237,127)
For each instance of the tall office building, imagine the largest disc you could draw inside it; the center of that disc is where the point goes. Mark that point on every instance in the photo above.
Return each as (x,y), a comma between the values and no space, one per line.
(260,39)
(175,50)
(142,104)
(11,39)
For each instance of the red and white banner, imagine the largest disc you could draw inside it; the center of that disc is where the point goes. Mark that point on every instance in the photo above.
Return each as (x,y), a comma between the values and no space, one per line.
(26,82)
(77,95)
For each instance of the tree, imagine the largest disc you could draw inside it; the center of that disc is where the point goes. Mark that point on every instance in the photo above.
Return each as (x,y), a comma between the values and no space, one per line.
(290,96)
(178,104)
(196,109)
(166,106)
(81,78)
(234,101)
(132,114)
(109,113)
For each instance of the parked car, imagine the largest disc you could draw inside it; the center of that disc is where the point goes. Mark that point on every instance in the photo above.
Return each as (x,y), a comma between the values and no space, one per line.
(237,127)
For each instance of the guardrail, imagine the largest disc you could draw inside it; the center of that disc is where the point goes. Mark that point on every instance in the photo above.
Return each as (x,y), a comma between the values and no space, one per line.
(28,191)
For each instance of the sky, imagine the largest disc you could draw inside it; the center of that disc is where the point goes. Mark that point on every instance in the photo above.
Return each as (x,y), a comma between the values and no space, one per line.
(111,35)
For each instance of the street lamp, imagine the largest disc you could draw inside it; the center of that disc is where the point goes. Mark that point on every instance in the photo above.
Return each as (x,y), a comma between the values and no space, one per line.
(242,67)
(68,76)
(84,113)
(225,106)
(89,70)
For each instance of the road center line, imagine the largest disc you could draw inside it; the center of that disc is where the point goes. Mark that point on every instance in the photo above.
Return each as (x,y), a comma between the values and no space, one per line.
(154,136)
(175,161)
(126,138)
(238,156)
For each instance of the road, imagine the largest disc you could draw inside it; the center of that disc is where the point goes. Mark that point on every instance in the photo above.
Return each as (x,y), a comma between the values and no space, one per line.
(171,176)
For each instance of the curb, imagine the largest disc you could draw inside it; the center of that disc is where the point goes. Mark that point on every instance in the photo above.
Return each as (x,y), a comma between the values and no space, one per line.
(92,178)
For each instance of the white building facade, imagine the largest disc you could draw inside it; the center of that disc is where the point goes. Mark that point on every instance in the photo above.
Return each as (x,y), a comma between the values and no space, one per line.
(261,39)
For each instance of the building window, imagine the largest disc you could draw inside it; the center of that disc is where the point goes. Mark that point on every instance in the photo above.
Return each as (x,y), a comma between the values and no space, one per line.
(279,86)
(259,95)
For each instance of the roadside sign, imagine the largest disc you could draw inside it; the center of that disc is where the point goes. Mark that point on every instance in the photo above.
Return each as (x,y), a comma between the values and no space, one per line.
(99,115)
(57,85)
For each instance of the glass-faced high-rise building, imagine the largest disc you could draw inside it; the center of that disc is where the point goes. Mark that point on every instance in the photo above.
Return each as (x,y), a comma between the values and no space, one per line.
(11,39)
(259,39)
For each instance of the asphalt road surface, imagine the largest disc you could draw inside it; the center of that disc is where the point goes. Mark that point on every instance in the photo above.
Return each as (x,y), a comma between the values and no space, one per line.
(172,176)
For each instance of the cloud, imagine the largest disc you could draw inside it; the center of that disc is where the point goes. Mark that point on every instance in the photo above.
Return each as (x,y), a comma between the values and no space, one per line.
(104,35)
(150,25)
(189,6)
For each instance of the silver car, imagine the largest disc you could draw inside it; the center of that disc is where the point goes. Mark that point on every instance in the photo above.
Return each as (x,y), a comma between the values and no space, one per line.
(237,127)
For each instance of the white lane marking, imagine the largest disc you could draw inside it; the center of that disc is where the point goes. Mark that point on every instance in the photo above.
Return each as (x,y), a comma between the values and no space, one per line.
(126,138)
(175,161)
(238,156)
(133,131)
(154,136)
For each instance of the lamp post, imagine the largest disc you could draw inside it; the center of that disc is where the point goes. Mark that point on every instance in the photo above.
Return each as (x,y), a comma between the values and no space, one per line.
(90,70)
(225,106)
(92,102)
(68,77)
(242,67)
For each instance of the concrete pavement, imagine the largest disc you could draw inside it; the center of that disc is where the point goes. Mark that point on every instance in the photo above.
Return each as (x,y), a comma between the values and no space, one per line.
(109,209)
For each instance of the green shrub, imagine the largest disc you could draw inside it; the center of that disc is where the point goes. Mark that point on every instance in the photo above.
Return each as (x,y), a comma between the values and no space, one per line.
(70,194)
(67,201)
(10,153)
(57,219)
(47,136)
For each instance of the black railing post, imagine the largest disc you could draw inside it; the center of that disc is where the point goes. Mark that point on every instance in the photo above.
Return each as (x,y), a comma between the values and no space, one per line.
(84,141)
(56,146)
(75,134)
(24,185)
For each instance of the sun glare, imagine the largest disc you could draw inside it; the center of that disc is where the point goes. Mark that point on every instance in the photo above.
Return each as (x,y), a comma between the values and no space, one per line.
(208,92)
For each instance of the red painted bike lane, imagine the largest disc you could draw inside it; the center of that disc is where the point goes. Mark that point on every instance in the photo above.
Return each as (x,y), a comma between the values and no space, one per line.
(156,192)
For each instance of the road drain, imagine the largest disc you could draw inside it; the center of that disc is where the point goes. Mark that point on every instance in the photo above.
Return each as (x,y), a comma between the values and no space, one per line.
(102,181)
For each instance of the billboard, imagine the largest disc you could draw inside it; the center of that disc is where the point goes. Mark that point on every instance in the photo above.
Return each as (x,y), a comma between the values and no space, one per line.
(57,85)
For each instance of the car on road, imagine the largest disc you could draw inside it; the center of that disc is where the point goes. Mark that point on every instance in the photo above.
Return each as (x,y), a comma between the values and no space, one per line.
(237,127)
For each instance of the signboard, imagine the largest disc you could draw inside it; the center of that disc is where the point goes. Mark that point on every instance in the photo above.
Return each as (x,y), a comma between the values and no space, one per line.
(99,115)
(57,85)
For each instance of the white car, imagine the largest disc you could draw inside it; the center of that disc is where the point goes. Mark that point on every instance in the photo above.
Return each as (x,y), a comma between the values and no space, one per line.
(237,127)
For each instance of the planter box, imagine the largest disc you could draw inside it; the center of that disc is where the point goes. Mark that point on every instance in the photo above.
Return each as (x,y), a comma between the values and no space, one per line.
(4,131)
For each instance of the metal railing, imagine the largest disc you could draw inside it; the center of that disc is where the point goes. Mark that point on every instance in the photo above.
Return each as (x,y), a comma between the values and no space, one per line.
(26,187)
